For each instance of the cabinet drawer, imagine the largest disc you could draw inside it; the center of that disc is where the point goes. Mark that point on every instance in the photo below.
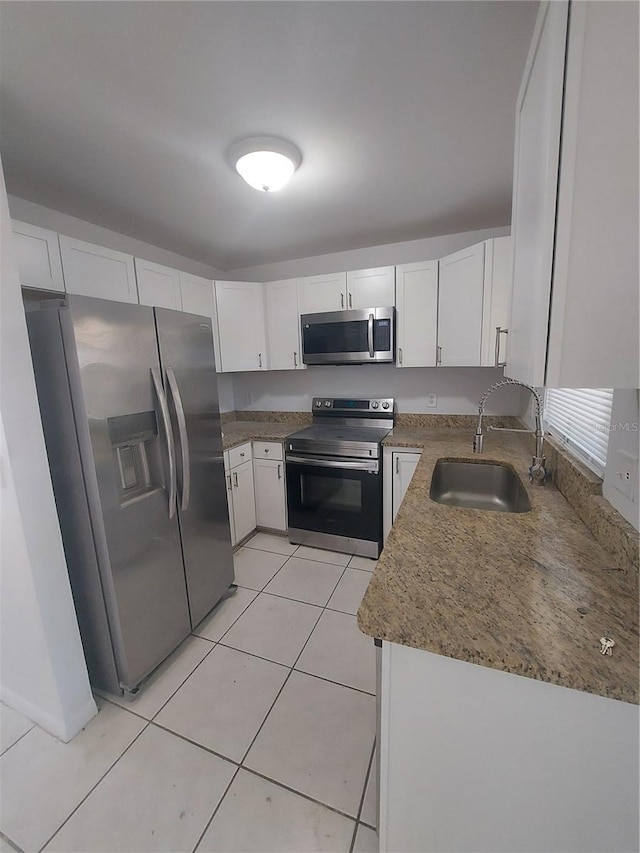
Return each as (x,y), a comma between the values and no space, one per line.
(238,455)
(267,450)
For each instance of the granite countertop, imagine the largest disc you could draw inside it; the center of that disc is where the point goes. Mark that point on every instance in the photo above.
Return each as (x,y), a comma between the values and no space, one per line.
(237,432)
(527,593)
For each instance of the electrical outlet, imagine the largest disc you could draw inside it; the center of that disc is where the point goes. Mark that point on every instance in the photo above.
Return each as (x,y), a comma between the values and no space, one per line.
(625,471)
(431,400)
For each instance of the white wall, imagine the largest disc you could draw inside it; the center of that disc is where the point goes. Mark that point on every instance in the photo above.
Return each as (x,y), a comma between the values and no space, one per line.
(225,392)
(624,435)
(371,256)
(43,672)
(458,389)
(54,220)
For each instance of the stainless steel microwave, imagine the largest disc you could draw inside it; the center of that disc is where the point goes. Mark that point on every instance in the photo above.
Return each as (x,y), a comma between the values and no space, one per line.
(349,337)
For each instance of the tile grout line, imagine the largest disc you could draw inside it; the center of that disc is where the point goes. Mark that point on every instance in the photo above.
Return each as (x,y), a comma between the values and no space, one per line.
(92,789)
(24,734)
(216,810)
(11,843)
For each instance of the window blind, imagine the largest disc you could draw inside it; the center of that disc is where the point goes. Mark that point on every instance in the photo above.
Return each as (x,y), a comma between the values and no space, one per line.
(581,417)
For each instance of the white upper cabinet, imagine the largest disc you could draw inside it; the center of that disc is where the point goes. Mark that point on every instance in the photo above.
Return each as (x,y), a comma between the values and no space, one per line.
(373,288)
(574,320)
(323,293)
(496,312)
(95,271)
(460,300)
(283,325)
(241,325)
(38,256)
(197,295)
(157,285)
(417,315)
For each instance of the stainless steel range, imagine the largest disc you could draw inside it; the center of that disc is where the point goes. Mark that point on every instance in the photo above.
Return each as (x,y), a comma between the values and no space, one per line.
(334,476)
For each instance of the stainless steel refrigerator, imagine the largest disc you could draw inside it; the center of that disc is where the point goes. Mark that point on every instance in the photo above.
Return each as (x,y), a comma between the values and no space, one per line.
(129,404)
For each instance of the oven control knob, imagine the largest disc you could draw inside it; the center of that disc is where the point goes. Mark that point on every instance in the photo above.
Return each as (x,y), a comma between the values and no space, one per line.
(385,405)
(375,404)
(327,404)
(318,403)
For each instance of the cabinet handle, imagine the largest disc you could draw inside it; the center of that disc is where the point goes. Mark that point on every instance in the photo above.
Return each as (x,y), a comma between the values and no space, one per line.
(279,472)
(295,359)
(260,360)
(438,356)
(397,464)
(242,455)
(350,301)
(266,450)
(235,479)
(229,481)
(342,300)
(400,354)
(499,332)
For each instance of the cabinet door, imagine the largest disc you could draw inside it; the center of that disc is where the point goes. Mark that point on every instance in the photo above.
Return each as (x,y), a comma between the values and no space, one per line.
(374,288)
(241,326)
(38,256)
(496,310)
(198,298)
(460,294)
(404,466)
(95,271)
(270,494)
(157,285)
(535,178)
(417,314)
(283,325)
(232,524)
(323,293)
(244,502)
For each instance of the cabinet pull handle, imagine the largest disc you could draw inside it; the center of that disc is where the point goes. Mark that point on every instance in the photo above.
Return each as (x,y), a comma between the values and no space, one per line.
(350,301)
(400,354)
(229,481)
(235,479)
(499,332)
(242,454)
(397,464)
(279,472)
(295,359)
(342,300)
(438,356)
(260,360)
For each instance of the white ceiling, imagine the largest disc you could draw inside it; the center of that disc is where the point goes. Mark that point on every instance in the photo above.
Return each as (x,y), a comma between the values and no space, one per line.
(121,113)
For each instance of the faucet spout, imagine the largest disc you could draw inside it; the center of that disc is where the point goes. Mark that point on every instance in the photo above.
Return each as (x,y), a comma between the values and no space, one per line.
(538,473)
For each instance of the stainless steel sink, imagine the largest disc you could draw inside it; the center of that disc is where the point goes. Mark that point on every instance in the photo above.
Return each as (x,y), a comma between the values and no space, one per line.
(479,485)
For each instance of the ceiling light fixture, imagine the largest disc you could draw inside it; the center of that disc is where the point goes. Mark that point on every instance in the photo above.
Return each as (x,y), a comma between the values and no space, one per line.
(265,162)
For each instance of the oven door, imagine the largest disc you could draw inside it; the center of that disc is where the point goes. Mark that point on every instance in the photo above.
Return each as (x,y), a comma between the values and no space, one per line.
(334,496)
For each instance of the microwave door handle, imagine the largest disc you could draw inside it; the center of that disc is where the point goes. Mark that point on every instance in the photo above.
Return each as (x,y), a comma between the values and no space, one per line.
(166,422)
(184,440)
(370,334)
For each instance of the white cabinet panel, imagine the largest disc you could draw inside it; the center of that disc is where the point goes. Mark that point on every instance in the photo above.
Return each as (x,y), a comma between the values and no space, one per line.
(197,295)
(498,286)
(241,325)
(232,524)
(417,314)
(398,467)
(158,285)
(283,325)
(95,271)
(244,502)
(537,148)
(267,450)
(460,295)
(240,454)
(372,288)
(404,466)
(269,481)
(323,293)
(38,256)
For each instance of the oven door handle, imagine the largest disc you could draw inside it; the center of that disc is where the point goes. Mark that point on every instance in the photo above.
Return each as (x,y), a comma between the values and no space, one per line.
(370,335)
(345,464)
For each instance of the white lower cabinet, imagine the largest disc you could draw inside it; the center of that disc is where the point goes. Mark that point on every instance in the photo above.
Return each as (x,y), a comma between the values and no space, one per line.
(399,465)
(256,488)
(473,758)
(271,505)
(240,492)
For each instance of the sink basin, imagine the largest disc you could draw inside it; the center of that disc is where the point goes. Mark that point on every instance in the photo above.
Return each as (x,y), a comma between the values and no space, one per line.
(478,485)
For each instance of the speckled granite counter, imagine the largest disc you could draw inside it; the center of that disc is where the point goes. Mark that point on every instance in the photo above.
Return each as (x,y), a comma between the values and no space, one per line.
(503,590)
(237,432)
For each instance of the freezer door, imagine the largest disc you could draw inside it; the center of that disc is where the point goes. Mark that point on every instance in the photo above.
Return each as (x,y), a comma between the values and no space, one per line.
(188,367)
(112,357)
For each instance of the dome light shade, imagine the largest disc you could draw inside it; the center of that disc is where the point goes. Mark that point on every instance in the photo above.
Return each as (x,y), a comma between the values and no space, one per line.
(265,162)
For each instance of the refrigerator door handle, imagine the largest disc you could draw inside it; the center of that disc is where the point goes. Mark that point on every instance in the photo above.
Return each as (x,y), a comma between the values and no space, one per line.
(184,440)
(171,453)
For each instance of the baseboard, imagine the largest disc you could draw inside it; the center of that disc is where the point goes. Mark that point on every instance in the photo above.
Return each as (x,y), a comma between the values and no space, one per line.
(63,729)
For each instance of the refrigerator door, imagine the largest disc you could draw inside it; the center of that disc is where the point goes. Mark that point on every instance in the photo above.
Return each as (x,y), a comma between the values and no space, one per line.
(186,352)
(123,425)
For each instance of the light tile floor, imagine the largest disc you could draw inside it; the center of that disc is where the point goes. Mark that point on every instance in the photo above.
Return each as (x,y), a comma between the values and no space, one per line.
(256,735)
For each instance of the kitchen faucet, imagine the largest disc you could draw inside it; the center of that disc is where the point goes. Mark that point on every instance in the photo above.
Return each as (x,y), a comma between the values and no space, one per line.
(538,473)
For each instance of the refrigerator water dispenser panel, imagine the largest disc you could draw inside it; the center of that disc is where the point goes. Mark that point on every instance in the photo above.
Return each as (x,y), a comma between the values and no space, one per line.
(130,435)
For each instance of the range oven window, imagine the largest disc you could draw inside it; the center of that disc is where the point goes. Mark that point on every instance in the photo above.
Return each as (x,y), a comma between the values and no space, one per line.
(330,494)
